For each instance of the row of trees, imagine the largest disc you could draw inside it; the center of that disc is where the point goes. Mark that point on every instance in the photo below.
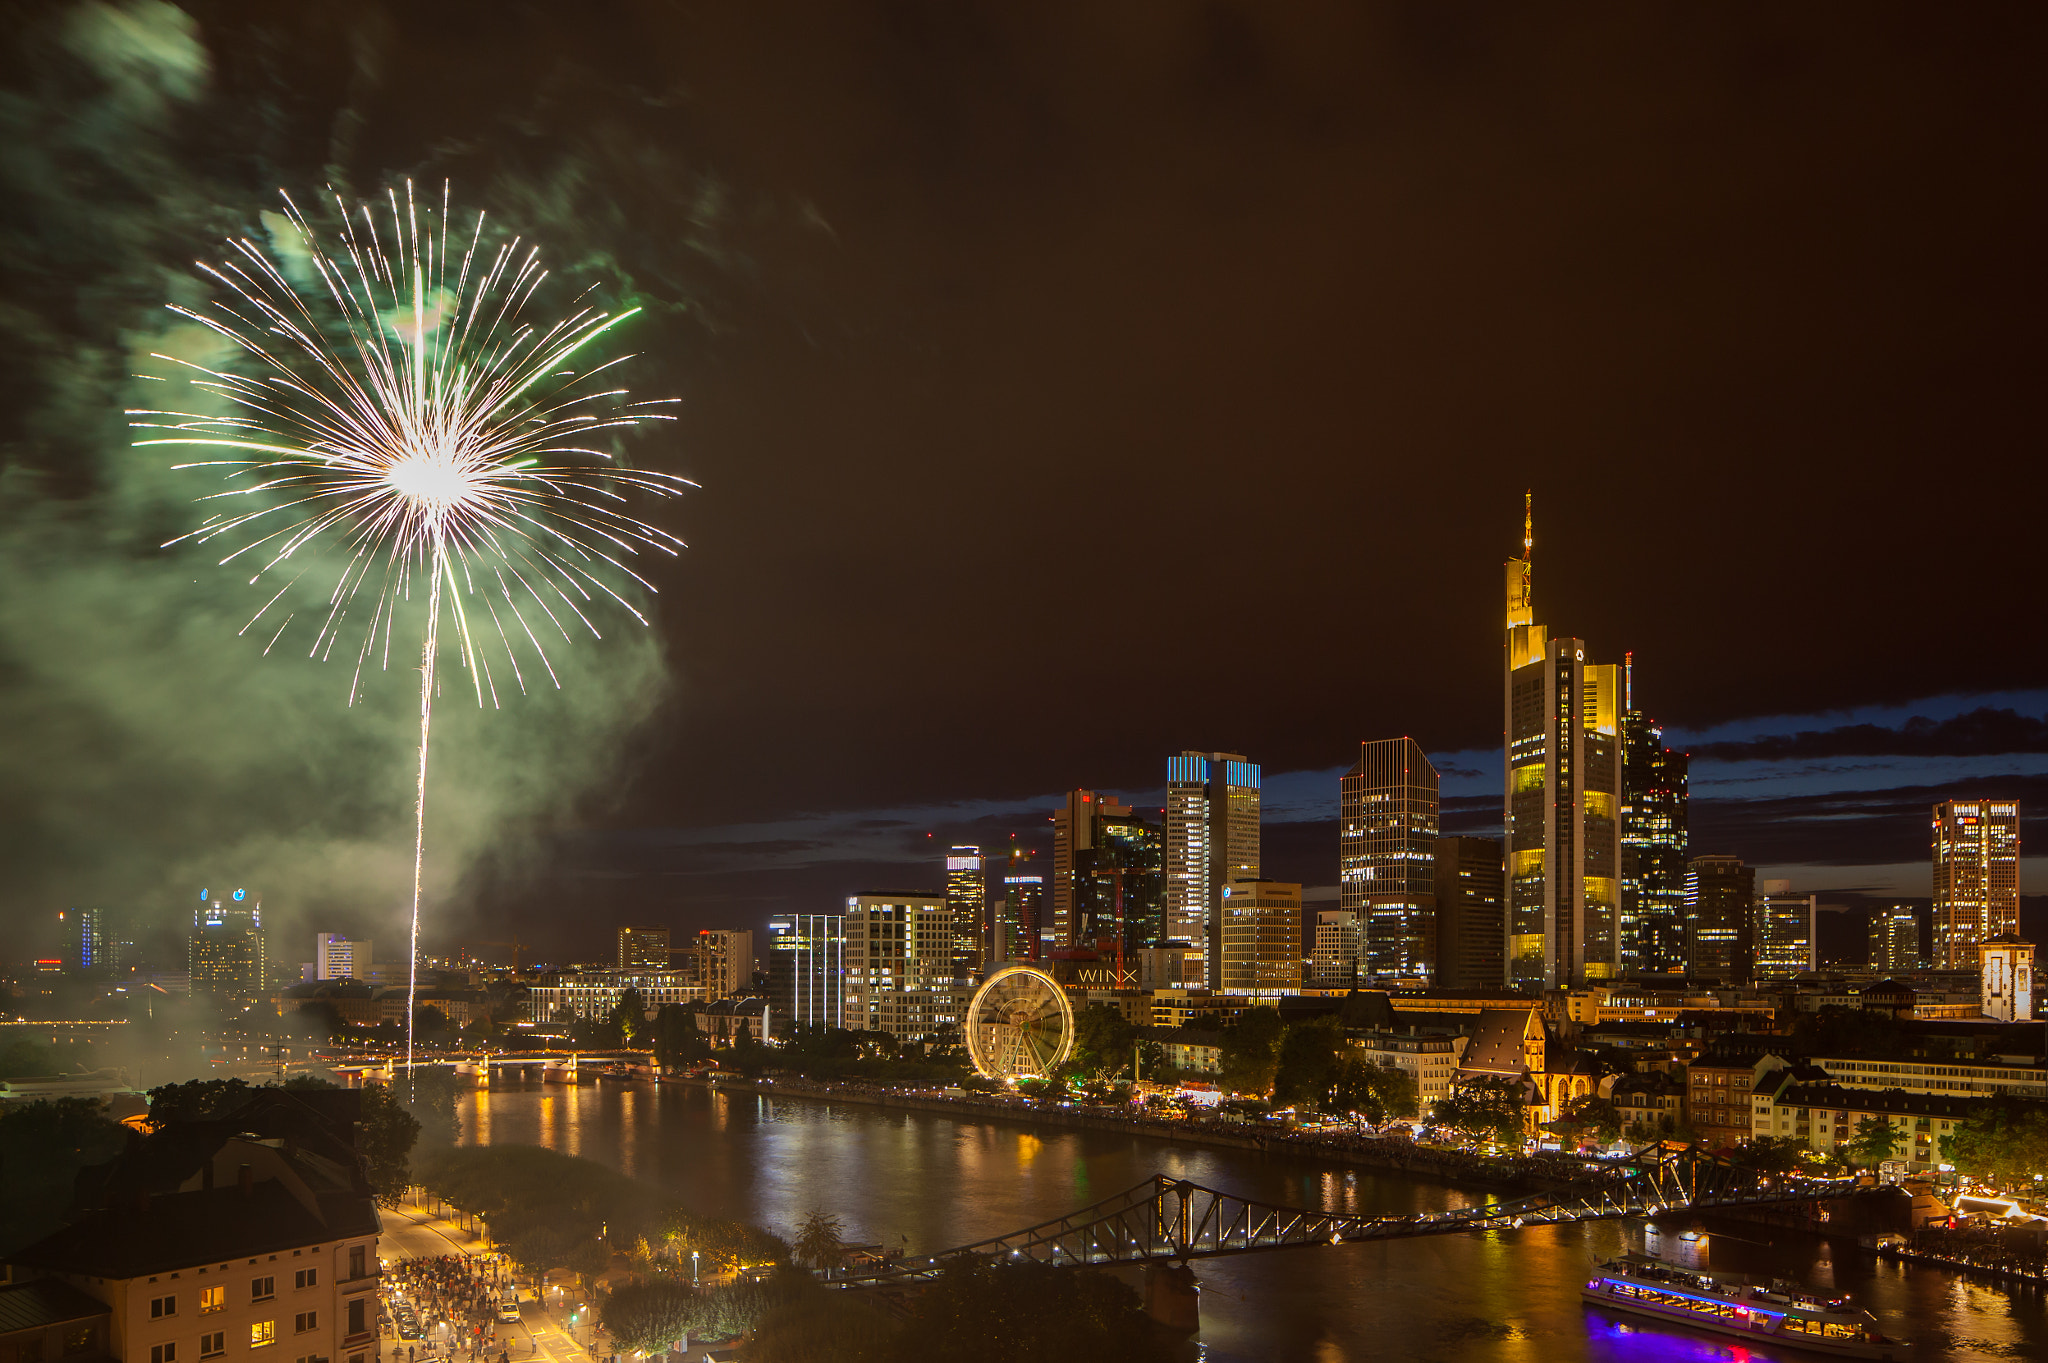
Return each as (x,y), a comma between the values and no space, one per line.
(993,1313)
(1309,1065)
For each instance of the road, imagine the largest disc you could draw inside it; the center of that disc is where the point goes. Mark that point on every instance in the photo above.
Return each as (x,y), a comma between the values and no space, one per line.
(411,1232)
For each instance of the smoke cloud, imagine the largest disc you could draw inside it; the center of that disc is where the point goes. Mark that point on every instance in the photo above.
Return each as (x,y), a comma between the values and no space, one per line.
(152,750)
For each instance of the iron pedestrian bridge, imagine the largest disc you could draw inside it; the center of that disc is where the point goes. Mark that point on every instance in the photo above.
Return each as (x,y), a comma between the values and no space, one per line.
(1175,1220)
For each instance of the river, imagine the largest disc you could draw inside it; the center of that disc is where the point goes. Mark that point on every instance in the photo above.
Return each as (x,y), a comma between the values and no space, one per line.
(928,1183)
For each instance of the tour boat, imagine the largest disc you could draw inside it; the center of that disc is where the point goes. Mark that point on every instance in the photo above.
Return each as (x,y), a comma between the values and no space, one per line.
(1729,1305)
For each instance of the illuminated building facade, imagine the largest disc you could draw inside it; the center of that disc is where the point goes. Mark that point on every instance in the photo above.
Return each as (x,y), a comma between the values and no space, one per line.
(1337,956)
(1784,932)
(2005,968)
(1654,844)
(899,964)
(1471,922)
(88,945)
(336,957)
(807,968)
(1720,919)
(1976,877)
(225,954)
(643,948)
(967,897)
(1387,857)
(1561,806)
(1894,940)
(1261,938)
(1212,837)
(727,955)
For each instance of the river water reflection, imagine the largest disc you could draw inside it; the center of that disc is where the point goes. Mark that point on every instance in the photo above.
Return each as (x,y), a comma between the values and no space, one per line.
(927,1183)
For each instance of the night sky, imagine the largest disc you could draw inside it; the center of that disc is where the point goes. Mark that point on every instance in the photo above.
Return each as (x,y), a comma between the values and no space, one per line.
(1070,385)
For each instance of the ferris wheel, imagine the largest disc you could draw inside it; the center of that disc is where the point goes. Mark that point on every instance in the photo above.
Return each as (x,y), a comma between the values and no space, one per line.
(1019,1025)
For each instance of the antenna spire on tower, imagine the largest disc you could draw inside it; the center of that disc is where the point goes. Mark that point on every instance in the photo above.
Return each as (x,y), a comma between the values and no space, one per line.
(1528,523)
(1628,680)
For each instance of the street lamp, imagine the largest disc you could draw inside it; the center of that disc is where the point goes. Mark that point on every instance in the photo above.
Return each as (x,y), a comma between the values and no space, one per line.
(693,1268)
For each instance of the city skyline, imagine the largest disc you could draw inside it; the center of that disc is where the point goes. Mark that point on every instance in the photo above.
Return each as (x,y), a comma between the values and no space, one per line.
(765,746)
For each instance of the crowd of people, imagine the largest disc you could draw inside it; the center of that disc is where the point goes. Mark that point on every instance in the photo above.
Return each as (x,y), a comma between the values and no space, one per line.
(1351,1146)
(2008,1251)
(454,1298)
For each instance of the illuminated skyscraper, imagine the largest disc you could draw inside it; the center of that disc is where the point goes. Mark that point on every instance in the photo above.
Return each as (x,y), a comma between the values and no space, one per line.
(1022,925)
(1720,920)
(643,948)
(1107,870)
(1654,843)
(967,895)
(1387,857)
(1784,932)
(1894,940)
(1260,938)
(728,960)
(88,945)
(225,956)
(1561,803)
(899,964)
(1976,877)
(1470,891)
(807,969)
(1212,836)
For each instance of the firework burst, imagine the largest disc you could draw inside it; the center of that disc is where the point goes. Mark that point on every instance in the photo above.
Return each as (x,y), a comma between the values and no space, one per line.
(401,407)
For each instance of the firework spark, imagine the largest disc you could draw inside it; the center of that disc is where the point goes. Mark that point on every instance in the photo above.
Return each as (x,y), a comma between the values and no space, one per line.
(402,408)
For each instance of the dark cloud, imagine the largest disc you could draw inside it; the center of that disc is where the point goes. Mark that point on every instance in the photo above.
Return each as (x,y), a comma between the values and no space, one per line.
(1980,733)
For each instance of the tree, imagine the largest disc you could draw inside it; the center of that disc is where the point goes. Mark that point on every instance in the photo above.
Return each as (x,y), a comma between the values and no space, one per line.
(42,1147)
(1250,1046)
(1027,1312)
(676,1038)
(1375,1092)
(429,1020)
(385,1140)
(1485,1109)
(1769,1154)
(196,1100)
(1305,1070)
(2004,1144)
(1876,1140)
(1587,1115)
(629,1015)
(818,1242)
(648,1317)
(1103,1039)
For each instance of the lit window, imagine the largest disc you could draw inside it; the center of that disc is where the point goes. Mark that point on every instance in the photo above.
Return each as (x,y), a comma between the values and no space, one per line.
(262,1334)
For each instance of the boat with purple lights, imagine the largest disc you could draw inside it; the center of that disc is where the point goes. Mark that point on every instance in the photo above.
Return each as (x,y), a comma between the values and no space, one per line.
(1728,1305)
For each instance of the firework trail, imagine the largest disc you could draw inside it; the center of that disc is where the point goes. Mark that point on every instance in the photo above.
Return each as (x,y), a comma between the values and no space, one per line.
(402,409)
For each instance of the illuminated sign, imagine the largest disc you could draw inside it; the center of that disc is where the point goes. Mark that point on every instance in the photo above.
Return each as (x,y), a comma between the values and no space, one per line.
(241,894)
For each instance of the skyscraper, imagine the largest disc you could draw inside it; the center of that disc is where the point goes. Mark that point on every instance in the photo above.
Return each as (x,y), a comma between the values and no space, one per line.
(1470,918)
(1387,856)
(807,969)
(1720,920)
(1561,803)
(643,948)
(1894,940)
(88,946)
(1260,938)
(1107,874)
(225,955)
(1654,843)
(1024,924)
(1976,877)
(337,957)
(2005,977)
(967,896)
(1337,955)
(1784,932)
(1212,835)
